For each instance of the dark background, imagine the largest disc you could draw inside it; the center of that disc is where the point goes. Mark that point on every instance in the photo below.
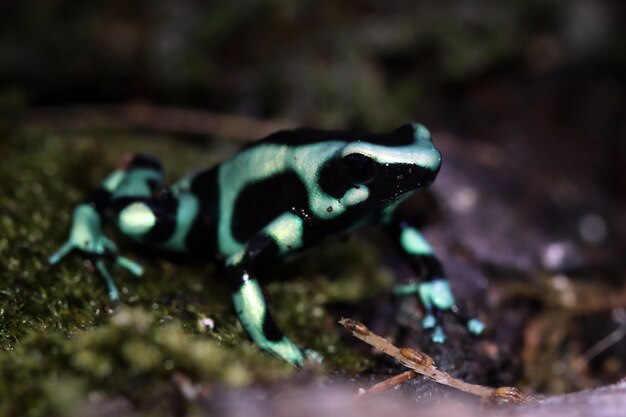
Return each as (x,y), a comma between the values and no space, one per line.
(482,68)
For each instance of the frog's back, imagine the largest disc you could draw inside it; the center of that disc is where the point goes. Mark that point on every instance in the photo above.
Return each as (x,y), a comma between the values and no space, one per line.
(265,180)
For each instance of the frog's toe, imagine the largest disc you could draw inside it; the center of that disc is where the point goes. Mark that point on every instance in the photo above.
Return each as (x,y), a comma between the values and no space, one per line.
(429,321)
(475,326)
(114,293)
(132,266)
(313,356)
(438,335)
(61,253)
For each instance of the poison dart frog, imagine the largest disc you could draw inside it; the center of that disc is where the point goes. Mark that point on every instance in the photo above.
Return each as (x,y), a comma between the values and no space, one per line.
(279,195)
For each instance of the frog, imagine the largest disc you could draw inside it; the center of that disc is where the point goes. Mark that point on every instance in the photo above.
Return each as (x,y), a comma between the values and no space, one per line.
(277,196)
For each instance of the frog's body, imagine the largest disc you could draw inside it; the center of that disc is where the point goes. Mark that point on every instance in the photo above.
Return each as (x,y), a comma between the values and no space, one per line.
(276,196)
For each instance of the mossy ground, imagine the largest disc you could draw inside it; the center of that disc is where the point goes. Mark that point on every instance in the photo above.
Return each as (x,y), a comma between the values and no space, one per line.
(62,339)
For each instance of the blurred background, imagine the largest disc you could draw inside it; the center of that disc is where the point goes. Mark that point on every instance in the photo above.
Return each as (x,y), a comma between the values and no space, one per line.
(482,68)
(526,99)
(534,90)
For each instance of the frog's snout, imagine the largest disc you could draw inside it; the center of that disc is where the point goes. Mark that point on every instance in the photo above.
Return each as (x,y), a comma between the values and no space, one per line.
(428,159)
(421,132)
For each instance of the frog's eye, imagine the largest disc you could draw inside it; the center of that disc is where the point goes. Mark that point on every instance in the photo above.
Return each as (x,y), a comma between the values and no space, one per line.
(359,168)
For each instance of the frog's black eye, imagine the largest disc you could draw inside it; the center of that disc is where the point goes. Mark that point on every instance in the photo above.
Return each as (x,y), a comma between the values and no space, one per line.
(359,168)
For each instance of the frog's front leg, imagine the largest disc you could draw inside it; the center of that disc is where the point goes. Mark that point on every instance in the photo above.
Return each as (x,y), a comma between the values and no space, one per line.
(434,290)
(281,236)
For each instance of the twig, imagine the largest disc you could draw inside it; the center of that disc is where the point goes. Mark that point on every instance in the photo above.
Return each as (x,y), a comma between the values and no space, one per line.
(575,298)
(602,345)
(388,383)
(144,116)
(423,364)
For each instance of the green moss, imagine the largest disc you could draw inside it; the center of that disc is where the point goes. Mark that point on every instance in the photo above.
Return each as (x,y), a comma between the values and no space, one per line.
(62,339)
(132,356)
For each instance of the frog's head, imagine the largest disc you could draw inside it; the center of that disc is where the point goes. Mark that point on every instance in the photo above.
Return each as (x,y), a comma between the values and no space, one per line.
(390,165)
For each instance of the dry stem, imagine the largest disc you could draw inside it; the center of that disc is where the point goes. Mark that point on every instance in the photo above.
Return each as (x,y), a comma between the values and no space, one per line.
(423,364)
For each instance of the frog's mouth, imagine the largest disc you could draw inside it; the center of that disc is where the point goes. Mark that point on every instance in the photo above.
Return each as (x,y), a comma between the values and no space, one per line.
(397,180)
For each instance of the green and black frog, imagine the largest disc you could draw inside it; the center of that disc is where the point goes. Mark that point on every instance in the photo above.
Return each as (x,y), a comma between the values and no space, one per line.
(279,195)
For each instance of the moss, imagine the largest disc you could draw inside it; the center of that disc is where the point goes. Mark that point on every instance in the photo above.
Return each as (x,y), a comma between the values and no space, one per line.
(62,340)
(132,356)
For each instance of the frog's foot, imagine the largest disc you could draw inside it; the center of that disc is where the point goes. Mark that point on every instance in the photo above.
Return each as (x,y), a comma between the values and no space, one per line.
(285,349)
(436,298)
(97,249)
(313,356)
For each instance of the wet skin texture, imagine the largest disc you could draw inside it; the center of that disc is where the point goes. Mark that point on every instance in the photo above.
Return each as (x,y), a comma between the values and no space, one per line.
(282,194)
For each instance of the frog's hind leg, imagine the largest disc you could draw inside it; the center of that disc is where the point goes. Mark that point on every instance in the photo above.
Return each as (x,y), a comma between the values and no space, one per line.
(131,202)
(152,215)
(137,176)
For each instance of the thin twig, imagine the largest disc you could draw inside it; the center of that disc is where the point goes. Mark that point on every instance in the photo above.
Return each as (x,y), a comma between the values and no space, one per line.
(388,383)
(424,365)
(576,298)
(600,346)
(144,116)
